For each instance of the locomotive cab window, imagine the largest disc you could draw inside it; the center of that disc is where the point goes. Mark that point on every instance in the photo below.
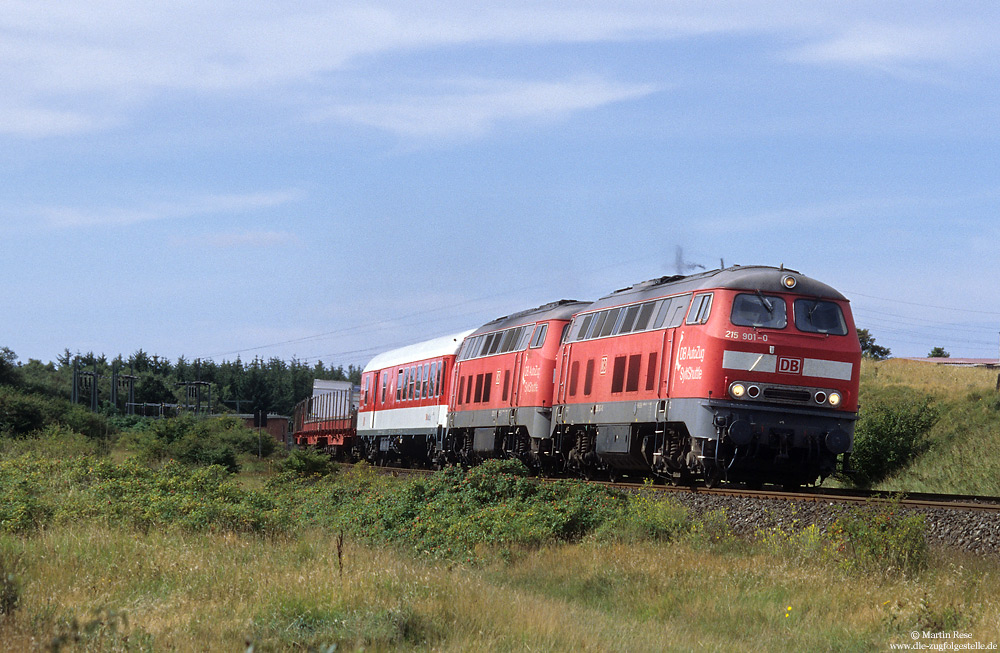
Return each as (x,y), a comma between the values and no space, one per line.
(759,311)
(818,316)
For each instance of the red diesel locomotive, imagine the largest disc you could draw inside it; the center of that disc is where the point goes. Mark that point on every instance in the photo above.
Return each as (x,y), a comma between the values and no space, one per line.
(748,374)
(744,374)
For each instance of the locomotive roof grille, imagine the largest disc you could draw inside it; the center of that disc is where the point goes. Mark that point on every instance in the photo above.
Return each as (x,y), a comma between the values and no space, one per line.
(754,278)
(563,309)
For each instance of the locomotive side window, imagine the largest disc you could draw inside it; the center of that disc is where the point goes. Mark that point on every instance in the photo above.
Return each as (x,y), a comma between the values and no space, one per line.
(758,310)
(609,324)
(651,372)
(628,322)
(818,316)
(642,320)
(678,309)
(634,367)
(599,321)
(525,337)
(539,339)
(584,328)
(700,309)
(618,375)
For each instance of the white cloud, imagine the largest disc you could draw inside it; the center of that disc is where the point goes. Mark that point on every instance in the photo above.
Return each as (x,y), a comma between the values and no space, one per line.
(66,217)
(472,107)
(80,67)
(237,239)
(883,44)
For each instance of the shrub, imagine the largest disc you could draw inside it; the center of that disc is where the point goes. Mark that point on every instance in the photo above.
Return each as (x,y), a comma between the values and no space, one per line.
(20,414)
(307,462)
(890,432)
(880,539)
(646,518)
(215,441)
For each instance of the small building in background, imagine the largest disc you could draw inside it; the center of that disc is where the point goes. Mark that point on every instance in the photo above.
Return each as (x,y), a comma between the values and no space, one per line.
(277,425)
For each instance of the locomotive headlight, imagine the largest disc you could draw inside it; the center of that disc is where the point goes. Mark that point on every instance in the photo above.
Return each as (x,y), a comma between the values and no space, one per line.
(788,281)
(737,390)
(834,399)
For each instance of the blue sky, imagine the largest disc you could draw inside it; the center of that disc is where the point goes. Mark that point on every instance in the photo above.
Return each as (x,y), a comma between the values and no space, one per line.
(327,180)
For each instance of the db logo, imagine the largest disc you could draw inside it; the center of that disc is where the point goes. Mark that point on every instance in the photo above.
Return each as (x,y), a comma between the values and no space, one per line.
(790,365)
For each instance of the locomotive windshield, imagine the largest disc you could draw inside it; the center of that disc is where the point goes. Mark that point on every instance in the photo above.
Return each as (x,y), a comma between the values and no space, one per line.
(818,316)
(759,311)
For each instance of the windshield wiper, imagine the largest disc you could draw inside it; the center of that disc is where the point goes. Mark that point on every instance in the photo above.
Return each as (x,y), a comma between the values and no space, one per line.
(763,300)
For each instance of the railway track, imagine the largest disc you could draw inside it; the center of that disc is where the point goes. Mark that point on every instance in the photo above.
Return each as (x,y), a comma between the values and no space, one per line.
(836,495)
(915,500)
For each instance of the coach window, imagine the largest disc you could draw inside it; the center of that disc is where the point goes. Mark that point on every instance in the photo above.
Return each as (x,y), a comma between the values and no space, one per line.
(425,385)
(400,386)
(539,339)
(385,384)
(700,309)
(758,310)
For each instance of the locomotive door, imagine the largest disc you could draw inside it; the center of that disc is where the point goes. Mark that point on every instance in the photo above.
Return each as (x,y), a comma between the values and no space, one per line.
(374,397)
(515,379)
(566,355)
(667,348)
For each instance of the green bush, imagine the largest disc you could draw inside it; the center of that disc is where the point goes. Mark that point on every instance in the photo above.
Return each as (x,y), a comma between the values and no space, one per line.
(215,441)
(647,518)
(20,414)
(891,431)
(307,462)
(453,512)
(880,539)
(39,491)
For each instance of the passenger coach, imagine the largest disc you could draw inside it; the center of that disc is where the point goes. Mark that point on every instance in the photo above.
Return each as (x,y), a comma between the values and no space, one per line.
(404,400)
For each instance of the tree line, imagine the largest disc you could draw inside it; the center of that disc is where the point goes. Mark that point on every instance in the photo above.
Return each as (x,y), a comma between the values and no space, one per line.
(273,384)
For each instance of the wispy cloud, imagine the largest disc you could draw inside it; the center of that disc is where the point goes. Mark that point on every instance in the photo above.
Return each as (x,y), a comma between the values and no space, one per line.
(211,205)
(472,107)
(80,67)
(882,44)
(237,240)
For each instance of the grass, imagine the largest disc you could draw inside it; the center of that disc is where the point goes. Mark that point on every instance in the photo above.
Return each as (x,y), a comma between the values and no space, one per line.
(961,456)
(101,553)
(202,591)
